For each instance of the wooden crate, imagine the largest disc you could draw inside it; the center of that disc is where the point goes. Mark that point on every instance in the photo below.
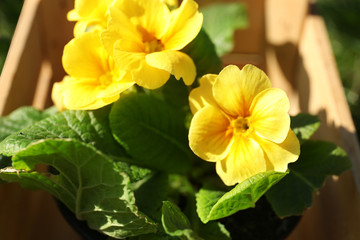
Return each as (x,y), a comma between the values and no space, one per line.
(285,38)
(32,65)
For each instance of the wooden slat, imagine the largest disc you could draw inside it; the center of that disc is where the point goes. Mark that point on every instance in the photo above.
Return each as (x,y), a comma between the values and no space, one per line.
(326,96)
(44,84)
(336,210)
(57,32)
(23,63)
(26,214)
(283,27)
(251,39)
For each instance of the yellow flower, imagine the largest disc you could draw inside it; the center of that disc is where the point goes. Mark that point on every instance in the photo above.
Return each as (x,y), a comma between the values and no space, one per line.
(171,3)
(145,37)
(241,123)
(89,14)
(94,79)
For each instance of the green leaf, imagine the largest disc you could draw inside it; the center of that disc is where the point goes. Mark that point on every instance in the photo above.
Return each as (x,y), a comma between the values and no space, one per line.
(214,231)
(304,126)
(5,161)
(318,159)
(202,51)
(151,133)
(220,22)
(176,223)
(151,194)
(175,93)
(212,205)
(155,236)
(89,183)
(86,126)
(19,119)
(137,174)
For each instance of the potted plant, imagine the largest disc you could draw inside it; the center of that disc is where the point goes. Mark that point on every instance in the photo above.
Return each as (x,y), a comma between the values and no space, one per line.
(127,140)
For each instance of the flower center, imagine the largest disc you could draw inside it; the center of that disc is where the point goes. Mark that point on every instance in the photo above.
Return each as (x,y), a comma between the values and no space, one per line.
(151,43)
(240,125)
(154,45)
(106,79)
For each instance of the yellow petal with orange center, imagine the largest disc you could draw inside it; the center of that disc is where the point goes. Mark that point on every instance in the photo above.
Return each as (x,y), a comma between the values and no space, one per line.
(85,57)
(149,15)
(94,79)
(201,96)
(245,159)
(209,135)
(185,24)
(269,115)
(177,63)
(234,89)
(280,155)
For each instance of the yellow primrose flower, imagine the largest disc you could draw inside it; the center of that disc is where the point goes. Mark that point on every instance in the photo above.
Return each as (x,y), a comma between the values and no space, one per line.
(94,79)
(145,37)
(89,14)
(241,123)
(171,3)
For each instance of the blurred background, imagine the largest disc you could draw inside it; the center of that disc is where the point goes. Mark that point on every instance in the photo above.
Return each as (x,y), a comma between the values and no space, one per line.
(9,14)
(342,18)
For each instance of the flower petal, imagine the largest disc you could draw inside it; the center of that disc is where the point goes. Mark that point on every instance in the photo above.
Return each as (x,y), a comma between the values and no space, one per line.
(149,77)
(86,92)
(80,28)
(151,15)
(201,96)
(171,3)
(269,115)
(87,26)
(209,137)
(57,93)
(85,57)
(142,73)
(235,89)
(73,15)
(245,159)
(89,9)
(177,63)
(280,155)
(118,86)
(185,25)
(128,61)
(121,28)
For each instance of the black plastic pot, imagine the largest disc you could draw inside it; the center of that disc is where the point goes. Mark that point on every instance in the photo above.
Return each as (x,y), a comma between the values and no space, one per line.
(80,227)
(259,223)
